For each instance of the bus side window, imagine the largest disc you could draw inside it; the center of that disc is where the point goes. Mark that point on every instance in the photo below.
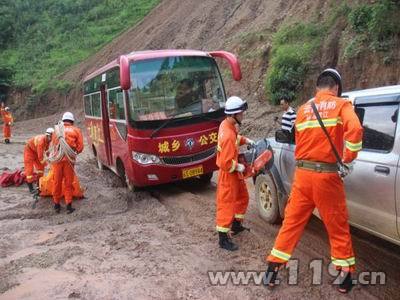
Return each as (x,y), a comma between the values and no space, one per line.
(116,104)
(96,107)
(88,106)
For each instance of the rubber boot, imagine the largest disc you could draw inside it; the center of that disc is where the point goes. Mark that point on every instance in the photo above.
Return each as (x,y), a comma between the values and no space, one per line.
(237,227)
(226,243)
(57,208)
(346,282)
(31,188)
(70,209)
(271,274)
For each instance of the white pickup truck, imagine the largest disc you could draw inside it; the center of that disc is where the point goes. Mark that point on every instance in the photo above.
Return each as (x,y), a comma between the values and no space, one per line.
(372,189)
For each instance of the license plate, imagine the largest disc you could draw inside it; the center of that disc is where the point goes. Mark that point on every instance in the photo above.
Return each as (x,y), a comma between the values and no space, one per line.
(186,173)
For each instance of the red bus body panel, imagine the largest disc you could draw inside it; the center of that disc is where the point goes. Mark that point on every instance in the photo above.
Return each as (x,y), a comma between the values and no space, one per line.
(176,146)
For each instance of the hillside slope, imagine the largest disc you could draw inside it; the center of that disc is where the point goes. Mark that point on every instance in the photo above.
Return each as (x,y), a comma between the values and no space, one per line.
(246,28)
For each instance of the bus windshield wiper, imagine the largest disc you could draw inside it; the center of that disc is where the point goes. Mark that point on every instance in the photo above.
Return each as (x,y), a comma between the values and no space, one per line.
(169,121)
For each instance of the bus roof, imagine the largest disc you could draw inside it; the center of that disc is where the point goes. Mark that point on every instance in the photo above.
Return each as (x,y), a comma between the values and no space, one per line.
(148,54)
(372,92)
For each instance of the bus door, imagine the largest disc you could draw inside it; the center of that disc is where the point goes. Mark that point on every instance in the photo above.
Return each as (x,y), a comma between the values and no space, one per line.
(106,125)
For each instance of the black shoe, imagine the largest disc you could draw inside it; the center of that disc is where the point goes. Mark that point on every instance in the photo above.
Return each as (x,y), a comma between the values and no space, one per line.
(57,208)
(226,243)
(237,227)
(7,141)
(271,274)
(70,209)
(31,188)
(346,282)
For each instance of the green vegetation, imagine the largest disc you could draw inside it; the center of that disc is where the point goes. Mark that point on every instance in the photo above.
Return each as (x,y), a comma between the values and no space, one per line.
(376,27)
(293,47)
(40,40)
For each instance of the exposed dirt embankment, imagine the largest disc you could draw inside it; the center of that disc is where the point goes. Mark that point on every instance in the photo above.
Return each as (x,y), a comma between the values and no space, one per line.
(244,27)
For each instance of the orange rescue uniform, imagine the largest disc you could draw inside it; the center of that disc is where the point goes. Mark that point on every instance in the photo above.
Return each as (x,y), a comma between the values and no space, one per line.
(232,195)
(34,156)
(325,191)
(64,170)
(7,120)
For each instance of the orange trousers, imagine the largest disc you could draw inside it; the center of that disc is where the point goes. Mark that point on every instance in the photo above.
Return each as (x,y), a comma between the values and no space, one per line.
(31,162)
(326,192)
(63,170)
(232,200)
(6,131)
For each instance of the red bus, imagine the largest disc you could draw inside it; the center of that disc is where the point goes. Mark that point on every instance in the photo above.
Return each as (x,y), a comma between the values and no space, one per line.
(152,117)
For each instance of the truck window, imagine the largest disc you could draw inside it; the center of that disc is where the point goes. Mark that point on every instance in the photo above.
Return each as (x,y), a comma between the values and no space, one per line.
(379,123)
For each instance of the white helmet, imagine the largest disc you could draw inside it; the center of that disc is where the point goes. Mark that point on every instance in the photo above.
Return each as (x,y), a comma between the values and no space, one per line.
(235,105)
(49,131)
(7,108)
(68,116)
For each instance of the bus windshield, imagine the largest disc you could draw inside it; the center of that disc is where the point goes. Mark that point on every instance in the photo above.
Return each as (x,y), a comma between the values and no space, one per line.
(174,87)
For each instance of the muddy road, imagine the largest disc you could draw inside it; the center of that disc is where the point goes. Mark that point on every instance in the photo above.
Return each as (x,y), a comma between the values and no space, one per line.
(157,243)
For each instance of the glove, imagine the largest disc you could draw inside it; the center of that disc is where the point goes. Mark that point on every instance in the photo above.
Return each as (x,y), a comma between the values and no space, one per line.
(250,142)
(240,168)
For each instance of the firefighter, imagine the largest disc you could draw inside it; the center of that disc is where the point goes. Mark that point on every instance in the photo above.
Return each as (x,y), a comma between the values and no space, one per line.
(8,122)
(34,156)
(316,180)
(232,196)
(67,144)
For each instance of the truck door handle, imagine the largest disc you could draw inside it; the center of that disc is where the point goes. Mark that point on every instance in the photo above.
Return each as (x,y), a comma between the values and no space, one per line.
(382,169)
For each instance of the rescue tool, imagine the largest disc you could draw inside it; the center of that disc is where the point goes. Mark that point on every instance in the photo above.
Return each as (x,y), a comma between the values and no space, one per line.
(256,158)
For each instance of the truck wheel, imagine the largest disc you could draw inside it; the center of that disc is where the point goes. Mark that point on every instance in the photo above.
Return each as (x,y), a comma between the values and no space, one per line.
(267,199)
(206,178)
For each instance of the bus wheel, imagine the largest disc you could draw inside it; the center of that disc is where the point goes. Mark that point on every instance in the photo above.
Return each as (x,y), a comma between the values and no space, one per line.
(206,178)
(124,177)
(100,165)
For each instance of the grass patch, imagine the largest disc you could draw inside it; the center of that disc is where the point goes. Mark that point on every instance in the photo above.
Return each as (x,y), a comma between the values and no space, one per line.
(375,27)
(47,37)
(293,47)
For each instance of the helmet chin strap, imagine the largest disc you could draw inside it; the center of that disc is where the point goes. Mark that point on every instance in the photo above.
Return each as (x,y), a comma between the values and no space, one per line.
(237,121)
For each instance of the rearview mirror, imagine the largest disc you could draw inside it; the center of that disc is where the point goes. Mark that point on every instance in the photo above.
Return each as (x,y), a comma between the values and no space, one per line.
(124,73)
(233,62)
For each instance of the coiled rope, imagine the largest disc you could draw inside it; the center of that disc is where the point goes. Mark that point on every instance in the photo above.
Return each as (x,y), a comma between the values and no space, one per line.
(58,151)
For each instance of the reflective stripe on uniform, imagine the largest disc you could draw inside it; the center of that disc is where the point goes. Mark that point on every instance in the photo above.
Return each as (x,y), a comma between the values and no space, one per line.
(314,124)
(354,147)
(39,171)
(29,176)
(239,216)
(233,168)
(222,229)
(279,254)
(344,262)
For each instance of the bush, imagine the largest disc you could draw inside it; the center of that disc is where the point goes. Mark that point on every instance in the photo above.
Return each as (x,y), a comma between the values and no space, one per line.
(376,24)
(292,50)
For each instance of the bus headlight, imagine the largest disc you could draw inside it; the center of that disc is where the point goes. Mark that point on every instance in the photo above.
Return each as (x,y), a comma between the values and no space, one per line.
(145,159)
